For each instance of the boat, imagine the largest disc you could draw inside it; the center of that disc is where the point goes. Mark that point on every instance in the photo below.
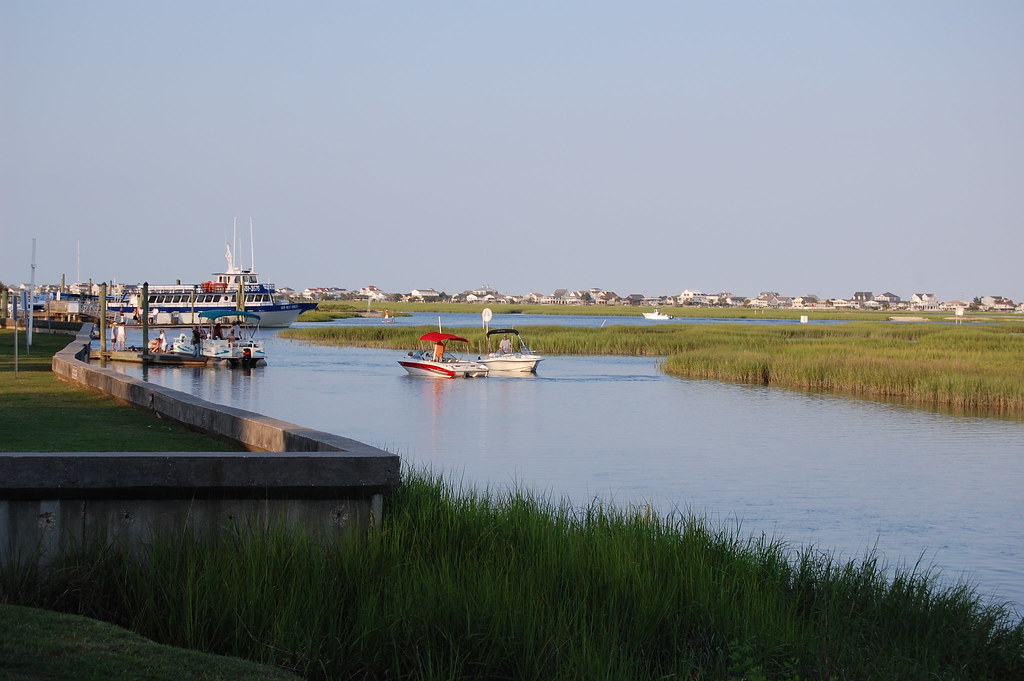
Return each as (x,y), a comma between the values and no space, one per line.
(438,362)
(239,346)
(183,345)
(511,354)
(657,314)
(235,287)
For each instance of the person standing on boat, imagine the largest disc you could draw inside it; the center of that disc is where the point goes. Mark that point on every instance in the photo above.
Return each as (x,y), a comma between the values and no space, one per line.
(122,337)
(163,342)
(196,340)
(236,332)
(438,352)
(505,346)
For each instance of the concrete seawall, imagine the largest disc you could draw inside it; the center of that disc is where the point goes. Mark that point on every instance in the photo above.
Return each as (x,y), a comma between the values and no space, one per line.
(323,484)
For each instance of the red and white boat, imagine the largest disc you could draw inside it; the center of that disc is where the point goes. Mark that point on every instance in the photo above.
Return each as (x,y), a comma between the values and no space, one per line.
(438,362)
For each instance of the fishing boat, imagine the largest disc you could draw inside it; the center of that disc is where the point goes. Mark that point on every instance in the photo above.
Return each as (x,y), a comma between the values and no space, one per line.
(437,362)
(657,314)
(511,354)
(232,338)
(235,287)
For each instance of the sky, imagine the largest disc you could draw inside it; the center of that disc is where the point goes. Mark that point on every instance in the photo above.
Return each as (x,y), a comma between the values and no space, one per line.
(802,147)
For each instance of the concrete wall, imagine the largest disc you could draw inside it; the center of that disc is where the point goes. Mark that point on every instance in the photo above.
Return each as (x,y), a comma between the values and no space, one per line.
(322,484)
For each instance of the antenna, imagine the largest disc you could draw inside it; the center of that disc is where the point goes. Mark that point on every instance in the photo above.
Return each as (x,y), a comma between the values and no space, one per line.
(252,249)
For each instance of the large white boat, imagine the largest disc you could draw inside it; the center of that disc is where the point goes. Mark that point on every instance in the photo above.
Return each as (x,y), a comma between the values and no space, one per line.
(236,288)
(511,355)
(438,362)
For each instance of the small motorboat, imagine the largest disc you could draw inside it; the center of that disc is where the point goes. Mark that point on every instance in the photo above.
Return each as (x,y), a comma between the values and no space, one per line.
(238,346)
(657,314)
(438,362)
(511,354)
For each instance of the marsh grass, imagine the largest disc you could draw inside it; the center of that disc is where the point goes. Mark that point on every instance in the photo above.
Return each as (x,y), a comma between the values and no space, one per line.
(460,584)
(969,367)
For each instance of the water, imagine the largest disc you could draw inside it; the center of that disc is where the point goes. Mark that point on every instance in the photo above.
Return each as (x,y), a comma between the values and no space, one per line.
(841,474)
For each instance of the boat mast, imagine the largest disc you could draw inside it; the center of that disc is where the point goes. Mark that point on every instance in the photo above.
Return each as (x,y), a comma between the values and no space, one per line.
(252,249)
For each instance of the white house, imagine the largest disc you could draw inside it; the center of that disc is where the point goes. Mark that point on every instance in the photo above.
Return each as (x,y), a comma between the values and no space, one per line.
(924,301)
(423,294)
(372,293)
(689,297)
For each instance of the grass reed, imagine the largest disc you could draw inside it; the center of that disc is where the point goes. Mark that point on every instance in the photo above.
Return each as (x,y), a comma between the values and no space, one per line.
(462,584)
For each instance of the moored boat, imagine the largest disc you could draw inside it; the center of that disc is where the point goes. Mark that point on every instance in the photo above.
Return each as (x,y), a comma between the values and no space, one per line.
(239,345)
(235,287)
(438,362)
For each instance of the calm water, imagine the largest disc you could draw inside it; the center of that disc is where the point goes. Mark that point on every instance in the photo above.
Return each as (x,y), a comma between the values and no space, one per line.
(842,474)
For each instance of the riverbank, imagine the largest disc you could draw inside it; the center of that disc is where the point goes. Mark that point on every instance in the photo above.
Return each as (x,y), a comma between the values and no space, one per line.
(969,367)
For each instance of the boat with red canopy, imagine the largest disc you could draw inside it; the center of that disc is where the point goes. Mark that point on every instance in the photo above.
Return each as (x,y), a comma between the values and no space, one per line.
(438,362)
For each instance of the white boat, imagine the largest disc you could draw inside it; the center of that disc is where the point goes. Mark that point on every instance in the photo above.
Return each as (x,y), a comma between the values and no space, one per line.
(181,304)
(183,345)
(657,314)
(438,362)
(232,338)
(511,354)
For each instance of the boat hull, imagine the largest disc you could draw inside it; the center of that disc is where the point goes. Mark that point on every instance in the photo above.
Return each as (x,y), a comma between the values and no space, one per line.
(432,369)
(278,315)
(520,364)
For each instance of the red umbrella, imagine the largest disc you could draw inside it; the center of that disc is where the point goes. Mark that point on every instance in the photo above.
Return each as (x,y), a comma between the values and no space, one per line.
(438,337)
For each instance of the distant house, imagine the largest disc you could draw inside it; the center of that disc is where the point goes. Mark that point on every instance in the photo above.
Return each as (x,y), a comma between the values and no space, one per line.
(689,297)
(890,299)
(372,293)
(924,301)
(768,299)
(951,305)
(726,298)
(636,299)
(861,297)
(424,294)
(998,303)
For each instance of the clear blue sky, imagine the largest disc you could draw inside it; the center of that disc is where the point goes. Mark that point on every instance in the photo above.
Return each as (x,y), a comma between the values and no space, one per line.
(642,147)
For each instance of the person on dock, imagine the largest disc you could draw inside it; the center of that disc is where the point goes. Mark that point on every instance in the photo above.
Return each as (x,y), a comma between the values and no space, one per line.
(196,341)
(113,336)
(162,346)
(122,337)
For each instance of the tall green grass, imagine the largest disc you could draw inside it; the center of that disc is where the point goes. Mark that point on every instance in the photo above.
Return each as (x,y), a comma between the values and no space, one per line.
(968,367)
(459,584)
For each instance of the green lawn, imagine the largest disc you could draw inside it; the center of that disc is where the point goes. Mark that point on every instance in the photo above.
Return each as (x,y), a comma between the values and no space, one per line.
(53,416)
